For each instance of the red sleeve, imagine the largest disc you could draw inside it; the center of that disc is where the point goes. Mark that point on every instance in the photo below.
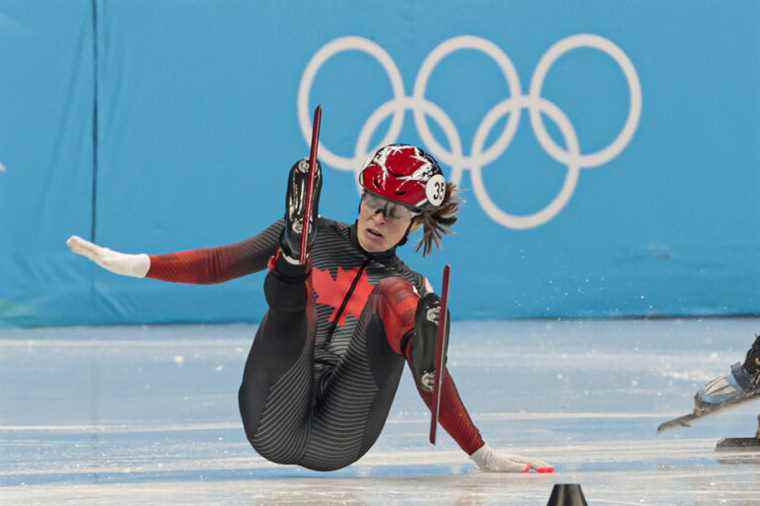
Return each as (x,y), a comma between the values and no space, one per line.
(215,265)
(397,313)
(397,309)
(453,416)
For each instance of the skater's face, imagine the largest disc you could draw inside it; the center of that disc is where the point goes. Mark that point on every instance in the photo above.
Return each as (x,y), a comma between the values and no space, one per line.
(382,224)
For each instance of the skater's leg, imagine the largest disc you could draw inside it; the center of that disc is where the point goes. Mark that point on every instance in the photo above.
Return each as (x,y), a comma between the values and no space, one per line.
(743,379)
(353,406)
(275,394)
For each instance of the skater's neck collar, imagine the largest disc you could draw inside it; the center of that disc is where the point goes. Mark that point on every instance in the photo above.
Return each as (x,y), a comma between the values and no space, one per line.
(380,256)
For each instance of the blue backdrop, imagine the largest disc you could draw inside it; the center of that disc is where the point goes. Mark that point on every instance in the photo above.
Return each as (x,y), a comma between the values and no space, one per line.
(157,126)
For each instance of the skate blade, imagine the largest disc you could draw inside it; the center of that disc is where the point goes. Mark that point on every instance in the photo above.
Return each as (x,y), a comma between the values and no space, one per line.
(682,421)
(703,410)
(744,444)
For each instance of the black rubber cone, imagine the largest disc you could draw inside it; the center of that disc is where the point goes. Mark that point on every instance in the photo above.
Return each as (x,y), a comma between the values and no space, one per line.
(567,494)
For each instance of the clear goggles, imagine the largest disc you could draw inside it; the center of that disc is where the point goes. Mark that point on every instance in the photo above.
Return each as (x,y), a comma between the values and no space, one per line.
(390,210)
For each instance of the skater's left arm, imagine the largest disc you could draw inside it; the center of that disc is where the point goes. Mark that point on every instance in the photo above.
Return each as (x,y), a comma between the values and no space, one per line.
(408,325)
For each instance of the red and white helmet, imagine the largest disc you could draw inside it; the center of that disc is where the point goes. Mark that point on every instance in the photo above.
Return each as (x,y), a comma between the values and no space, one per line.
(404,174)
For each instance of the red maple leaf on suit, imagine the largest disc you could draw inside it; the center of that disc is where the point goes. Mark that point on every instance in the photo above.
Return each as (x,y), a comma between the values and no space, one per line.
(331,291)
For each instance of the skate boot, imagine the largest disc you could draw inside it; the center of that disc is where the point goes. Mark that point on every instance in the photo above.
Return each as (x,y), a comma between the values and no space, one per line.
(295,207)
(742,380)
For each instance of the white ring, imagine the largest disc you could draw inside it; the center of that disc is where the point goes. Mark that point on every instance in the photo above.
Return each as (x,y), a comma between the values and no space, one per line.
(512,105)
(307,80)
(398,106)
(479,157)
(634,86)
(420,85)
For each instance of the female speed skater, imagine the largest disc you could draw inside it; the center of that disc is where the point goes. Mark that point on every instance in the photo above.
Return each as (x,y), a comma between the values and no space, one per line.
(328,355)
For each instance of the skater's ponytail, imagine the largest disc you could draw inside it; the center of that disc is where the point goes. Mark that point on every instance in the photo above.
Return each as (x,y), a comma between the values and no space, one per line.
(437,222)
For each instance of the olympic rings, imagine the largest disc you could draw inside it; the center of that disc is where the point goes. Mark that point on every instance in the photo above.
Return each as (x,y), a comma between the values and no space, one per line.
(480,155)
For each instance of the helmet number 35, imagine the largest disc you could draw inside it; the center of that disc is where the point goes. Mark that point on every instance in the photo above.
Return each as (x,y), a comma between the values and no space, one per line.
(436,189)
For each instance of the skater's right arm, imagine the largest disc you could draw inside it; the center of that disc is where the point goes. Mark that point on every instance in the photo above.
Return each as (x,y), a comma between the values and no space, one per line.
(201,266)
(408,324)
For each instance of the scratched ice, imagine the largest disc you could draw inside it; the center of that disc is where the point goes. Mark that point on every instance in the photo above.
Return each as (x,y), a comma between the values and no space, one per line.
(148,415)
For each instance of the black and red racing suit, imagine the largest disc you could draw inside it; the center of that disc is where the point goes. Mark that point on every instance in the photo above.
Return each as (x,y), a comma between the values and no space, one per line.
(327,358)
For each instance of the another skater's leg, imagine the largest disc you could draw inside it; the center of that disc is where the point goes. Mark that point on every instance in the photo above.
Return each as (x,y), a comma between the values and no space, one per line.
(743,379)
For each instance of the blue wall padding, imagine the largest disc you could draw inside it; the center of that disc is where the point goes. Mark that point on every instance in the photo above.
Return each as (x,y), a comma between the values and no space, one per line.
(46,142)
(197,124)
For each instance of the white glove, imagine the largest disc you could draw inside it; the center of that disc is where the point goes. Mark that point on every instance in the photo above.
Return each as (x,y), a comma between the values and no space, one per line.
(119,263)
(490,461)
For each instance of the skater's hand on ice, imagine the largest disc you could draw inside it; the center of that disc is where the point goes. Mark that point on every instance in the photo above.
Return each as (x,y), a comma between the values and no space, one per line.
(119,263)
(490,461)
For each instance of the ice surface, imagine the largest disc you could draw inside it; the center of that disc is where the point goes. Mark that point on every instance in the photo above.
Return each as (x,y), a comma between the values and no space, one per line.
(148,415)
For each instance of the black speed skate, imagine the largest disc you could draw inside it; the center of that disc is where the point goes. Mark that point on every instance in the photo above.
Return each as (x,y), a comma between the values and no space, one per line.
(741,381)
(427,319)
(741,384)
(741,443)
(295,208)
(748,379)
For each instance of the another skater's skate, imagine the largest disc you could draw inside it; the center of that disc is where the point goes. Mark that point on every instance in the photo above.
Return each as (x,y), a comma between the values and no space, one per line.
(741,384)
(731,444)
